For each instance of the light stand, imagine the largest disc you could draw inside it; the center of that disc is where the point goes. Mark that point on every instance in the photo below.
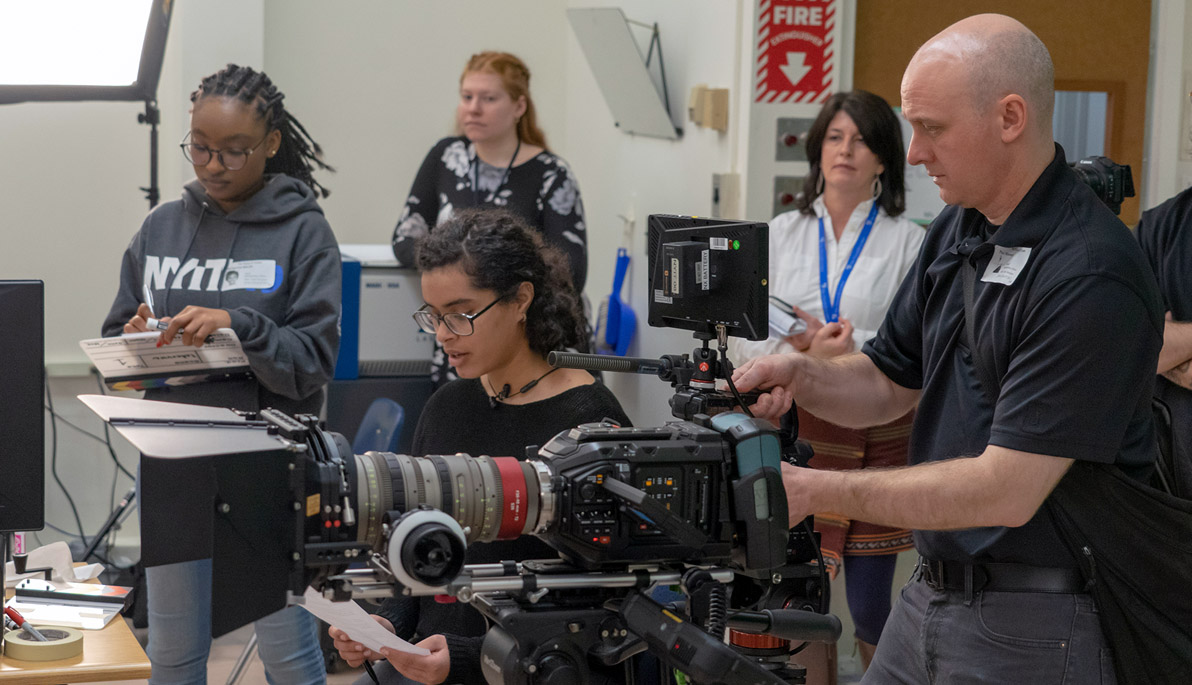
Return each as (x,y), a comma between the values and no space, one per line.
(151,116)
(118,514)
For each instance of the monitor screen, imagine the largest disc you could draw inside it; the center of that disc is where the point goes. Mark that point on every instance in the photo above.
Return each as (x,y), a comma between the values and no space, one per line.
(22,423)
(705,272)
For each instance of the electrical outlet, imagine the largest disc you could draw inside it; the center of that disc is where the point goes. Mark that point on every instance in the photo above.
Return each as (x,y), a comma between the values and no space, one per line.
(789,139)
(786,188)
(726,194)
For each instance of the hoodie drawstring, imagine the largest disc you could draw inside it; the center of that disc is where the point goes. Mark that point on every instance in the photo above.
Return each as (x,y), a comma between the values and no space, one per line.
(170,286)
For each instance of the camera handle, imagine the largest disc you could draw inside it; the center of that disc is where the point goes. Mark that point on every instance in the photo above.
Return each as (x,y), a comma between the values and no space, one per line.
(686,647)
(653,512)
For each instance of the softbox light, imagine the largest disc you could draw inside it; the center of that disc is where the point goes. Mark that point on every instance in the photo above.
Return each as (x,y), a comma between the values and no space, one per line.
(69,50)
(74,50)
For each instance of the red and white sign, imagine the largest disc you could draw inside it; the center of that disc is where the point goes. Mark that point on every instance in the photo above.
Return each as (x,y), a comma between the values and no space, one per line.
(796,51)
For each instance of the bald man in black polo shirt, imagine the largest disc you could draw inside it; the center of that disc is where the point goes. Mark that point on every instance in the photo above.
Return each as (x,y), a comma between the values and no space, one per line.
(1066,322)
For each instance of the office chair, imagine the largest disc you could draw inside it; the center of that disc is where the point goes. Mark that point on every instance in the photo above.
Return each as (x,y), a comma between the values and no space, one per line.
(379,430)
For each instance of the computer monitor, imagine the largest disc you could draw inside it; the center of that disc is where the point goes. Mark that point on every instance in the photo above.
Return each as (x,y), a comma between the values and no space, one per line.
(22,423)
(707,272)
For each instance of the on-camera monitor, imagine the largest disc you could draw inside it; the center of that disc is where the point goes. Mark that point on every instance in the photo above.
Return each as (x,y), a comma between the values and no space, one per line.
(705,272)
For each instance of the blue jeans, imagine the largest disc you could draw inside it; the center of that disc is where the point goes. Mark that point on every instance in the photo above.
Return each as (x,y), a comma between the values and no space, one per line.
(180,631)
(933,636)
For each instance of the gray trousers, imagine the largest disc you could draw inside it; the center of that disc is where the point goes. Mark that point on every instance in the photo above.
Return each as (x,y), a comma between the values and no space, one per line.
(932,636)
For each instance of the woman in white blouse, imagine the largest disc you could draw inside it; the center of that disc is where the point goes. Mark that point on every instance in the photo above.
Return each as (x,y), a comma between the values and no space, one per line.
(837,260)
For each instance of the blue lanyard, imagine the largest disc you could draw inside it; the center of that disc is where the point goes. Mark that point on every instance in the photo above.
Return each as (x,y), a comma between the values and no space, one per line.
(832,311)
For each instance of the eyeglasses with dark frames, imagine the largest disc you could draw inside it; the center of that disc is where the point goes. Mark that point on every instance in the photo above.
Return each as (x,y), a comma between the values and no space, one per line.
(232,160)
(456,322)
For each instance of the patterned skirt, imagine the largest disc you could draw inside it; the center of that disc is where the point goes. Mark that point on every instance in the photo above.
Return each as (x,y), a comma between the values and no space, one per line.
(843,449)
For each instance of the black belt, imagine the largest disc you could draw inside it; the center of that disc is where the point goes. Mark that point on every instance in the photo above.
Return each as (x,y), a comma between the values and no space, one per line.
(957,575)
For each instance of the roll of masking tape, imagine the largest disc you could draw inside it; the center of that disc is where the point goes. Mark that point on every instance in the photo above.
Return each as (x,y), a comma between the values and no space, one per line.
(61,643)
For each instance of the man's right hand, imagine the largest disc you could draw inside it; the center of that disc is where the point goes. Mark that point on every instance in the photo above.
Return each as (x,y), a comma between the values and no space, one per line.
(773,374)
(353,653)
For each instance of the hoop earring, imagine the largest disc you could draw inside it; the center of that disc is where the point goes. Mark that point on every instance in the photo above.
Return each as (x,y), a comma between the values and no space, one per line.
(819,185)
(877,187)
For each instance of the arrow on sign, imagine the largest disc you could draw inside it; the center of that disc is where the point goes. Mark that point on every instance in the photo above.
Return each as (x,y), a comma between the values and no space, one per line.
(795,67)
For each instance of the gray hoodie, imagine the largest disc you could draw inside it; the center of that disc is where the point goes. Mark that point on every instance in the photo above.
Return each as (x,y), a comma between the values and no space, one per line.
(191,253)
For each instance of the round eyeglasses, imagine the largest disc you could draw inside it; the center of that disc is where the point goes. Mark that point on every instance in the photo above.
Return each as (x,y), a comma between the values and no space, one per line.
(456,322)
(232,160)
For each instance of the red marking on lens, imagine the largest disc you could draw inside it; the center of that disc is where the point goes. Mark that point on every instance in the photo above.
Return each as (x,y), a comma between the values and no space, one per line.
(513,491)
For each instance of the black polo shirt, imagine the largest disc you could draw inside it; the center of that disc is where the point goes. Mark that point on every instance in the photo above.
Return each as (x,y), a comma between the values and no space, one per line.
(1165,234)
(1073,338)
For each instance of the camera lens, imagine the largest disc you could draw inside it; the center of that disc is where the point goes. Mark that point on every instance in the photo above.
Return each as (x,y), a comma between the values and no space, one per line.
(492,498)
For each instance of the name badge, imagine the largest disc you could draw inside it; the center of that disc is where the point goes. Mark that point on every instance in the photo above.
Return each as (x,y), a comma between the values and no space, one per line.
(1006,264)
(257,274)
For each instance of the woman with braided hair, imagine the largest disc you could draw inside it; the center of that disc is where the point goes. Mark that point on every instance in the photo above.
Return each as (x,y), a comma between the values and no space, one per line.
(245,248)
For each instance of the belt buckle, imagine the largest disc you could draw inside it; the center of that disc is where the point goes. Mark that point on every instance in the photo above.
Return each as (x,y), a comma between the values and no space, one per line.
(933,573)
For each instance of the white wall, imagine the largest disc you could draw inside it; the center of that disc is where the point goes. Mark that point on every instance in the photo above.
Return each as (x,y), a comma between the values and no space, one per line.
(621,174)
(1185,93)
(376,83)
(1167,160)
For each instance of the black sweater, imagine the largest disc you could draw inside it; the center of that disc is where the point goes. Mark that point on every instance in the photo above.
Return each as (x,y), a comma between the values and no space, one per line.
(459,418)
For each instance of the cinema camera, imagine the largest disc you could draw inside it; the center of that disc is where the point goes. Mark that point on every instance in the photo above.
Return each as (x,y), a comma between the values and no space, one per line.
(1110,181)
(698,503)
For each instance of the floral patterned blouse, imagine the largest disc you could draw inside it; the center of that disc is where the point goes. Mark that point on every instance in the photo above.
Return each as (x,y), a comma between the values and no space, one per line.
(541,190)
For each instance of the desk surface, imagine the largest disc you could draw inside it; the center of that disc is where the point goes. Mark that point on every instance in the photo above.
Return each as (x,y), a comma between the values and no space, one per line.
(109,654)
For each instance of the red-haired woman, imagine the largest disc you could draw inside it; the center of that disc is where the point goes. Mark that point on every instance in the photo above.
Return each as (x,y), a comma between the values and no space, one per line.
(499,159)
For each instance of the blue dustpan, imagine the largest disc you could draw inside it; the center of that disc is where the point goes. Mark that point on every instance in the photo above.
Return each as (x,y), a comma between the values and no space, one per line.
(621,321)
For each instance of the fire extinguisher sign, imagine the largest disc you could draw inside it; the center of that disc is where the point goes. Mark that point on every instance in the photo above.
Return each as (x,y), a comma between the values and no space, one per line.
(796,51)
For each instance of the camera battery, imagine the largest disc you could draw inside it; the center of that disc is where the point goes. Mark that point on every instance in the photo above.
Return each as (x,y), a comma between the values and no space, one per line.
(690,267)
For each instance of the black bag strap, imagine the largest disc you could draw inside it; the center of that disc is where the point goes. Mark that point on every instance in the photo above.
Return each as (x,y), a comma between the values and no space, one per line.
(985,375)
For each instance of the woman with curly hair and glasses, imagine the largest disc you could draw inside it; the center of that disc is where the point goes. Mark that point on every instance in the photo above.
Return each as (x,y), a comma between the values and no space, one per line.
(498,301)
